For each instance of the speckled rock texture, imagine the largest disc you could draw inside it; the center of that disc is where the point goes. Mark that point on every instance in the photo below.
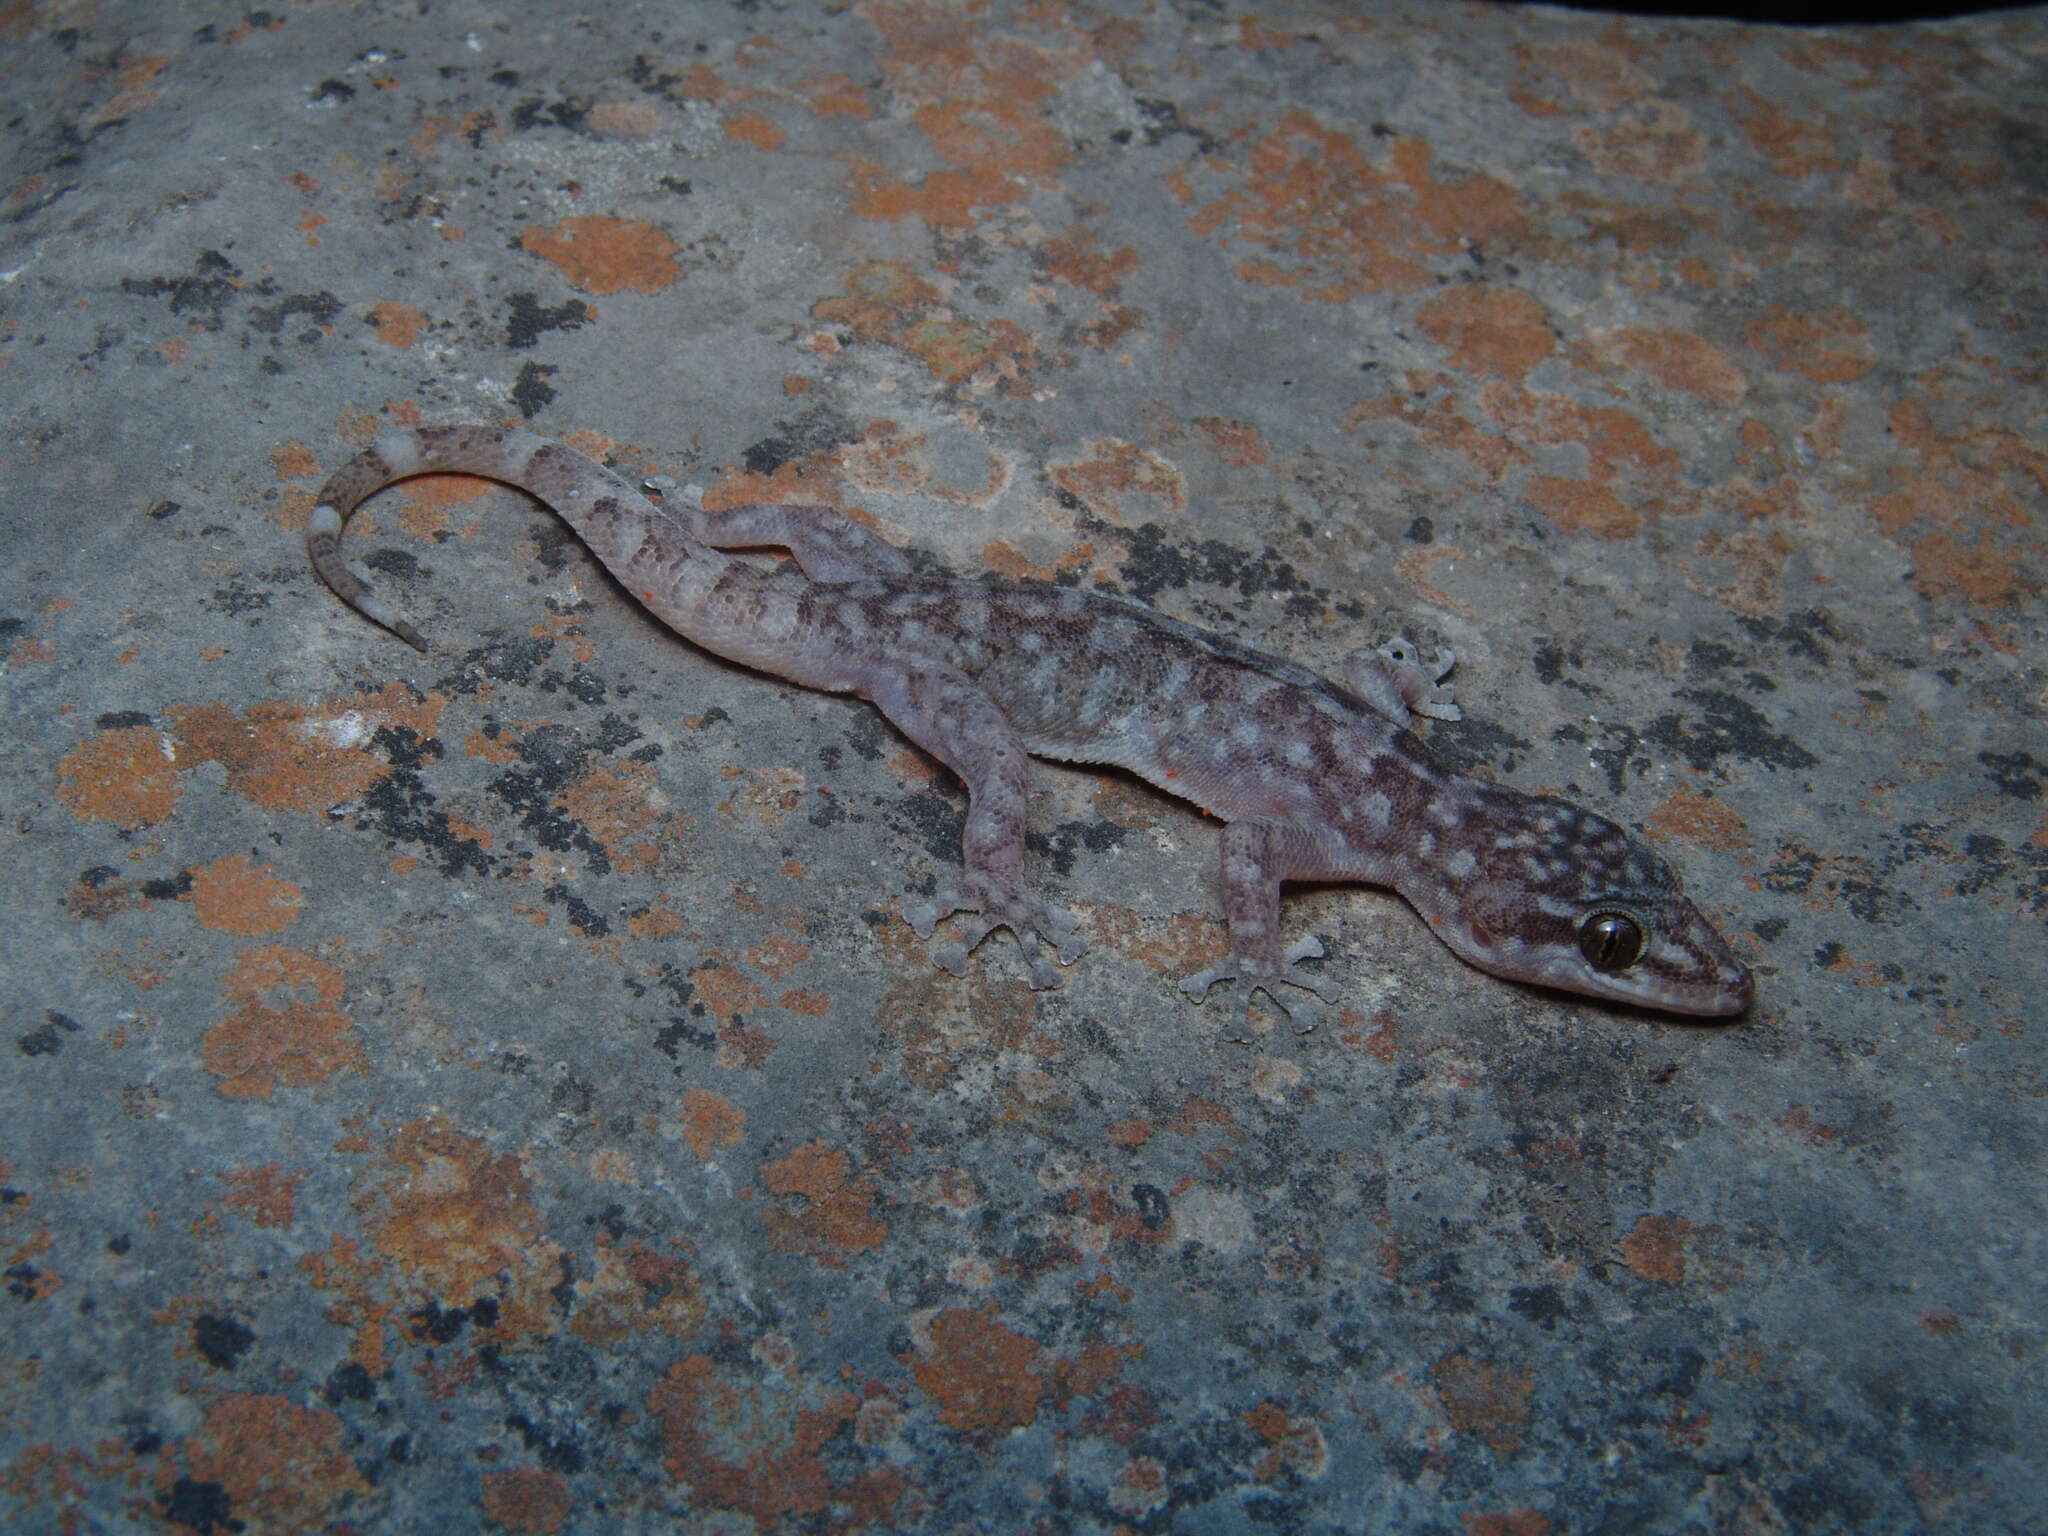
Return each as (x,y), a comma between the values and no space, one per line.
(496,1089)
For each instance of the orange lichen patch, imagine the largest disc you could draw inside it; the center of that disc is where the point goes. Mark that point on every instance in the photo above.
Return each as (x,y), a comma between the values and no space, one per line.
(1295,1447)
(1512,1522)
(452,1213)
(268,1193)
(135,93)
(1629,475)
(838,96)
(837,1217)
(1238,442)
(1599,74)
(1491,332)
(1075,258)
(284,1467)
(983,100)
(1333,225)
(620,802)
(1793,146)
(901,462)
(633,1289)
(1675,359)
(1484,1400)
(772,1435)
(288,1029)
(1687,816)
(660,921)
(725,991)
(883,299)
(534,1501)
(233,896)
(626,120)
(978,1372)
(711,1122)
(1175,946)
(397,324)
(427,500)
(604,255)
(1972,484)
(1651,141)
(886,302)
(1111,471)
(1799,1121)
(124,775)
(1980,572)
(1580,506)
(289,756)
(754,128)
(1828,347)
(778,955)
(1655,1248)
(294,461)
(1442,425)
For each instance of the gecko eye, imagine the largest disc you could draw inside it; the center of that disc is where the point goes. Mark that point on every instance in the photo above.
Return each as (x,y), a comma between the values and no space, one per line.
(1611,940)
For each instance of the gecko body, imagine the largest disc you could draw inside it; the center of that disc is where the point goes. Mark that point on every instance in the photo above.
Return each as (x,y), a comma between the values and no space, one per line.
(1314,779)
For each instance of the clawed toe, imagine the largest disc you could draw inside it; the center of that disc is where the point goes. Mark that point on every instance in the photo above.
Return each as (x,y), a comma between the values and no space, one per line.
(1269,977)
(1030,921)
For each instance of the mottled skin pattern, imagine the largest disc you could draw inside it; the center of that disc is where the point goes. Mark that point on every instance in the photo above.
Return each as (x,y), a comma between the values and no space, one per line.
(1316,780)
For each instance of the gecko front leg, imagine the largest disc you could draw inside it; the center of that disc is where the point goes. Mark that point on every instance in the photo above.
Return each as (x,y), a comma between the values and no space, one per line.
(1256,858)
(945,713)
(1394,680)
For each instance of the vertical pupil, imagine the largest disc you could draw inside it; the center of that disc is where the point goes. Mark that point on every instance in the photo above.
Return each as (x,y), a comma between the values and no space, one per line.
(1611,941)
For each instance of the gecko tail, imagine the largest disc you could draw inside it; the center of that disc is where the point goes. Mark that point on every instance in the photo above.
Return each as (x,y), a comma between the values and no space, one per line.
(323,537)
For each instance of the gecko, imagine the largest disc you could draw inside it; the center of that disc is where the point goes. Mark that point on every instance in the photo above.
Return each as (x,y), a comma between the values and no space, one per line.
(1314,779)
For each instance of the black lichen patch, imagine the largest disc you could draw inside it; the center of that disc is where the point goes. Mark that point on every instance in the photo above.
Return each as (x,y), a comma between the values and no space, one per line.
(552,757)
(583,917)
(938,819)
(814,432)
(402,807)
(536,113)
(200,1506)
(397,563)
(221,1341)
(1728,727)
(435,1324)
(319,309)
(1059,845)
(2014,773)
(507,661)
(529,319)
(1157,563)
(204,294)
(1802,633)
(531,391)
(49,1039)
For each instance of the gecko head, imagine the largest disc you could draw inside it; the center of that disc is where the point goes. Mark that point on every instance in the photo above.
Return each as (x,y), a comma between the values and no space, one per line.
(1563,898)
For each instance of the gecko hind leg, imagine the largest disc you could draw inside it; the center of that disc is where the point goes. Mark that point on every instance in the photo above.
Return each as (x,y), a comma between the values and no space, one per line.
(947,715)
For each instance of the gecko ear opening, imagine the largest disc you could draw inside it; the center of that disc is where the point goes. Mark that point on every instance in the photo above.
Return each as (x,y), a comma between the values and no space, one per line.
(1612,939)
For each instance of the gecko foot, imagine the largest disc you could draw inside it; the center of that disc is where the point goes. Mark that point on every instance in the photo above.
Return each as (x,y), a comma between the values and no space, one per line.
(1000,905)
(1269,976)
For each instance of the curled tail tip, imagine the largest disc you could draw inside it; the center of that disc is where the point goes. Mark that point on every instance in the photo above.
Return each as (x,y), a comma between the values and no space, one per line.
(409,635)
